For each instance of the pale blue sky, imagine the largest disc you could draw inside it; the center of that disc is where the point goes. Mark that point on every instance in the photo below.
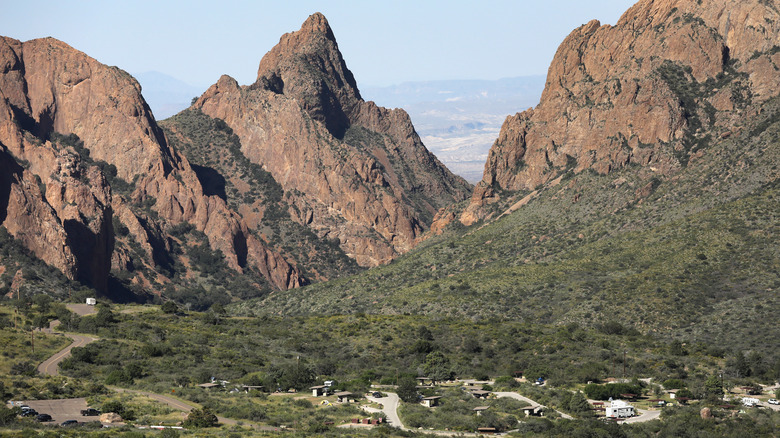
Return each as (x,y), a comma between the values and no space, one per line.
(383,43)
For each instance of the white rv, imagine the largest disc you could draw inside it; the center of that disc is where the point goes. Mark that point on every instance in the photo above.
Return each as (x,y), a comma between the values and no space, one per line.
(750,401)
(620,409)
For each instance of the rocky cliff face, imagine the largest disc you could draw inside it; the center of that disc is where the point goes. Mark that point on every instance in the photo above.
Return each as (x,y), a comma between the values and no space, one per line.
(352,171)
(652,91)
(66,120)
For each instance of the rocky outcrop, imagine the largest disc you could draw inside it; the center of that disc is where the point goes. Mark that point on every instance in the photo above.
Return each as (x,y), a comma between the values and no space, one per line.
(48,87)
(28,218)
(353,171)
(650,90)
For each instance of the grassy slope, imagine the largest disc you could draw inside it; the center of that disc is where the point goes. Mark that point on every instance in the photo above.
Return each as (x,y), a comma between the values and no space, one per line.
(699,253)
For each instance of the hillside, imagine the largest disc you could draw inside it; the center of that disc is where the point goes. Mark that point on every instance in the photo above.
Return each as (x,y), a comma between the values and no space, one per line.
(655,90)
(199,211)
(680,244)
(681,261)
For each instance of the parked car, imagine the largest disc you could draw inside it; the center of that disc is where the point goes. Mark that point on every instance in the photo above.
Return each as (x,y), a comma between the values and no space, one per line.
(29,412)
(89,412)
(773,401)
(377,394)
(43,418)
(69,423)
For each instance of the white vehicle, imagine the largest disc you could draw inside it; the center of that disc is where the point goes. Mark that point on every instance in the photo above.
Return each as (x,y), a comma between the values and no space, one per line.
(773,401)
(750,402)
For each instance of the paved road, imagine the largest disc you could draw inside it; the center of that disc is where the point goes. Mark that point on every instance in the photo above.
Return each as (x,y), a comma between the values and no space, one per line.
(389,408)
(81,309)
(644,416)
(50,367)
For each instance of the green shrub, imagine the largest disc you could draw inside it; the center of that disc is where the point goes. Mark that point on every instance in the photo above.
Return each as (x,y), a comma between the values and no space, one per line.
(201,418)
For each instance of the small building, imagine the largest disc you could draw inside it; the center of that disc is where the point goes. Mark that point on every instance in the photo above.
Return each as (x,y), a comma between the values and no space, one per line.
(620,409)
(480,393)
(431,401)
(343,396)
(209,385)
(320,390)
(425,381)
(533,411)
(480,409)
(672,393)
(91,301)
(658,401)
(487,430)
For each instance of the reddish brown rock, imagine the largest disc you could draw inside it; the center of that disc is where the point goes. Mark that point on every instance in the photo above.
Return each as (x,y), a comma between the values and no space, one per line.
(614,93)
(48,87)
(357,172)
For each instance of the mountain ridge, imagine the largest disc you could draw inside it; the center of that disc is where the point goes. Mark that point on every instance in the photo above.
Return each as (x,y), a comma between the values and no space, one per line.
(88,165)
(681,68)
(687,204)
(367,170)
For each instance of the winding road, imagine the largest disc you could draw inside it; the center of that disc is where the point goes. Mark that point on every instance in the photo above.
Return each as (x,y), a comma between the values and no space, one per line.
(50,367)
(391,401)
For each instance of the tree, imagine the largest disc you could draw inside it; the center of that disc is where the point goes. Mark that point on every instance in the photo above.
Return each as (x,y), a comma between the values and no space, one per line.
(407,389)
(676,348)
(713,388)
(119,377)
(43,302)
(7,415)
(298,376)
(738,366)
(218,309)
(201,418)
(437,367)
(579,405)
(685,393)
(169,307)
(105,317)
(118,408)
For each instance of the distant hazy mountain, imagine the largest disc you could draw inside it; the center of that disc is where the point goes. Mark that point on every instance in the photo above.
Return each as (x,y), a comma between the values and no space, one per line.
(165,94)
(458,120)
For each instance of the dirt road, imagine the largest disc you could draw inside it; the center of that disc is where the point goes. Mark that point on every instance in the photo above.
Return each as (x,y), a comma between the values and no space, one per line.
(517,396)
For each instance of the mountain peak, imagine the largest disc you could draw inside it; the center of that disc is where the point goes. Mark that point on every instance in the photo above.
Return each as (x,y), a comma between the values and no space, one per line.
(307,65)
(317,24)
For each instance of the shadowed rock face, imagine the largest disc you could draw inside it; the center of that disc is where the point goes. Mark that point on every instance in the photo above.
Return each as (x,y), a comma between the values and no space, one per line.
(65,215)
(356,172)
(647,91)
